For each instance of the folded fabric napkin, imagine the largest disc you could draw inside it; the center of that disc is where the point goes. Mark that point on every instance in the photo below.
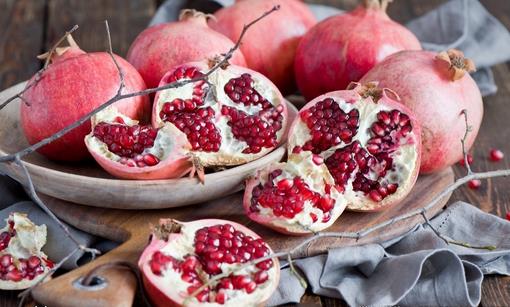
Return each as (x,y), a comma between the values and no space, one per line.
(461,24)
(418,269)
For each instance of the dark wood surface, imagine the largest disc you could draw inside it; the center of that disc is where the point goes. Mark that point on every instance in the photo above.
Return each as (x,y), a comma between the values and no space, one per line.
(28,27)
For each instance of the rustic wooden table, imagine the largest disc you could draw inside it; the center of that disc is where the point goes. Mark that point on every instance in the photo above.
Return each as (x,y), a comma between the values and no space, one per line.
(29,27)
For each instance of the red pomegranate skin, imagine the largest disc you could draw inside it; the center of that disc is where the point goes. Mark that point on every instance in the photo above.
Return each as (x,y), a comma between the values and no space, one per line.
(269,46)
(162,47)
(342,48)
(424,85)
(73,85)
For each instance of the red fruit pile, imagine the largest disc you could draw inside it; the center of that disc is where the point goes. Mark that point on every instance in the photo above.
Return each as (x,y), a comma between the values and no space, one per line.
(183,257)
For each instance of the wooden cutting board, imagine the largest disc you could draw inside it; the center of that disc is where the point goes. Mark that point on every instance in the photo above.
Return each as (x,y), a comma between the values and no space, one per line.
(133,228)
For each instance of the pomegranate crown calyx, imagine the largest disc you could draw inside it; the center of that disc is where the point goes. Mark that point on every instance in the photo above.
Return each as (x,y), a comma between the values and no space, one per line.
(165,228)
(458,64)
(190,14)
(379,5)
(370,89)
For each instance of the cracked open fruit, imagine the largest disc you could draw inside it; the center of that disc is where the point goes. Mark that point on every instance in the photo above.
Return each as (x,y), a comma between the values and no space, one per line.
(127,149)
(356,148)
(22,263)
(181,258)
(235,117)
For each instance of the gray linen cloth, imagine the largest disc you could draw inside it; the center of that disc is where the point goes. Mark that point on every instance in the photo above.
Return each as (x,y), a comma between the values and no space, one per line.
(461,24)
(418,269)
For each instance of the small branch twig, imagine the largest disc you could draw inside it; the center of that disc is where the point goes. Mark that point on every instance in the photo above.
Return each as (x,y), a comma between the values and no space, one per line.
(463,142)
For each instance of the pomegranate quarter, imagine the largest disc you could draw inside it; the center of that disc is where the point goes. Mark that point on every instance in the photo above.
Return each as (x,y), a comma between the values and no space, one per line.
(236,117)
(357,148)
(181,258)
(22,263)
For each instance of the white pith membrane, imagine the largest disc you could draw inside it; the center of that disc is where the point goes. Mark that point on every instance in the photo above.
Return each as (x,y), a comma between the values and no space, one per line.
(316,178)
(181,245)
(404,158)
(26,240)
(231,149)
(164,143)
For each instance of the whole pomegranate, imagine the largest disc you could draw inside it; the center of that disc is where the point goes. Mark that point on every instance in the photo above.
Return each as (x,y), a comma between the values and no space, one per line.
(183,257)
(128,150)
(74,84)
(436,87)
(22,263)
(235,117)
(163,47)
(357,148)
(270,46)
(342,48)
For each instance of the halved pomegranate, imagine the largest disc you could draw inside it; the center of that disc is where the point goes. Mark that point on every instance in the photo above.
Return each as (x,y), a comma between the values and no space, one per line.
(357,148)
(128,150)
(182,257)
(236,117)
(22,263)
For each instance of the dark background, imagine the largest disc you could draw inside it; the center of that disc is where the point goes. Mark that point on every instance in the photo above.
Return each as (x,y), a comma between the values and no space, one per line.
(30,27)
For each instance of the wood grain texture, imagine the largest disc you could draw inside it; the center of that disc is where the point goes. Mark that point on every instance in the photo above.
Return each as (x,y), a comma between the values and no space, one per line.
(133,228)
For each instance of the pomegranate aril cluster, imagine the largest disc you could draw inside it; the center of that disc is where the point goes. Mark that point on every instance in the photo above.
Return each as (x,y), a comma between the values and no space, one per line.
(128,142)
(329,125)
(287,197)
(191,116)
(388,130)
(15,270)
(241,90)
(257,131)
(214,246)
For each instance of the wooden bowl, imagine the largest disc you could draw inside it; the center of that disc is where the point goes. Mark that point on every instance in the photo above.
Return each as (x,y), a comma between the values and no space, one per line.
(88,184)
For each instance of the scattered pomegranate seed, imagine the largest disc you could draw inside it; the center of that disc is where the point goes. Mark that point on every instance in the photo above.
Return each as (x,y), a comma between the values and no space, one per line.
(474,184)
(469,158)
(508,216)
(496,155)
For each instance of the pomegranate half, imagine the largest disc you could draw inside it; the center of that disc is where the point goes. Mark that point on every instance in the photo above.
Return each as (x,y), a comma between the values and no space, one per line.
(357,148)
(22,263)
(128,150)
(437,89)
(270,46)
(74,84)
(162,47)
(235,117)
(182,257)
(342,48)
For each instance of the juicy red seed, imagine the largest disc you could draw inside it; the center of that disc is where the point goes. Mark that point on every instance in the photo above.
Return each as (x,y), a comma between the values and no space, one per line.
(329,125)
(474,184)
(240,281)
(261,277)
(159,262)
(14,275)
(375,196)
(250,287)
(508,216)
(6,260)
(496,155)
(5,238)
(221,297)
(126,141)
(469,158)
(257,131)
(34,262)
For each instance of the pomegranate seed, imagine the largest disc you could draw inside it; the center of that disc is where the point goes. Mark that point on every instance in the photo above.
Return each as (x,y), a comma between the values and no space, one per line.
(240,281)
(508,216)
(6,260)
(496,155)
(221,297)
(5,238)
(34,262)
(14,275)
(250,287)
(261,277)
(469,158)
(474,184)
(189,264)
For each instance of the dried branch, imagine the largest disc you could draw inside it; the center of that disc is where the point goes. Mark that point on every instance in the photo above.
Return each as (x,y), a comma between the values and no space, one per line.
(463,142)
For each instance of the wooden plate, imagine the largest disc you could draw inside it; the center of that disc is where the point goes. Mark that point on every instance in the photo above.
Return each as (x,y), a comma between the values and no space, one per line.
(133,228)
(88,184)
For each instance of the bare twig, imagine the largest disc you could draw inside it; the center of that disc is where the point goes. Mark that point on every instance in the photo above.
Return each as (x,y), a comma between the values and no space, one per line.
(60,41)
(463,142)
(110,51)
